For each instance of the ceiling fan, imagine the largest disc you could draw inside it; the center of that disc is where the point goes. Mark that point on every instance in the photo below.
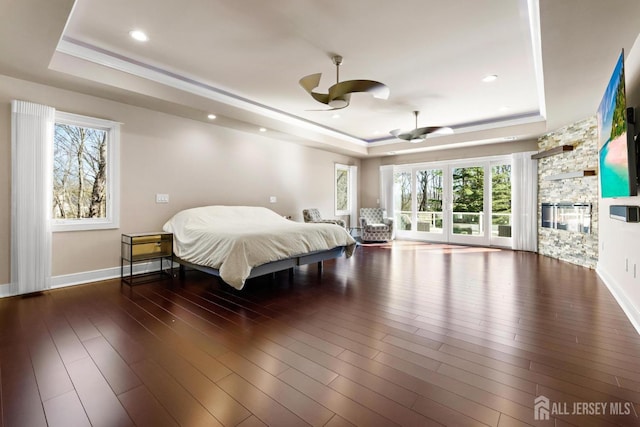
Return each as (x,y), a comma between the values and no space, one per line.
(419,134)
(339,94)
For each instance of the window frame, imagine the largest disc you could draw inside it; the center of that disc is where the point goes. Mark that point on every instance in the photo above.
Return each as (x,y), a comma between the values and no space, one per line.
(112,214)
(447,167)
(347,169)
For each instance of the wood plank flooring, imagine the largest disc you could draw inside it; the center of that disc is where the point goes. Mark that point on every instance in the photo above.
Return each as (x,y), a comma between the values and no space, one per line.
(408,333)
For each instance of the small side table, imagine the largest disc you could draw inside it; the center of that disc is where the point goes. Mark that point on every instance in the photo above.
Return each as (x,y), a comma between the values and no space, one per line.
(139,247)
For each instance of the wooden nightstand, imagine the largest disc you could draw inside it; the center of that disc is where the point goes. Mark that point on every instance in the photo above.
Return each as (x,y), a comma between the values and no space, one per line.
(140,247)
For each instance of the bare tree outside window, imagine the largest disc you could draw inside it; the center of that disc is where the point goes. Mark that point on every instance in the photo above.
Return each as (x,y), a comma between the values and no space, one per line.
(429,185)
(402,187)
(86,173)
(342,181)
(342,189)
(402,193)
(79,172)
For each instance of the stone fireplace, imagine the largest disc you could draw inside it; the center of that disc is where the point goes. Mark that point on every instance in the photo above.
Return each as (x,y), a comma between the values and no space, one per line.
(567,197)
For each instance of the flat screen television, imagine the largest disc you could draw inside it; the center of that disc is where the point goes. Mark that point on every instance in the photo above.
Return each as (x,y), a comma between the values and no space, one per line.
(616,142)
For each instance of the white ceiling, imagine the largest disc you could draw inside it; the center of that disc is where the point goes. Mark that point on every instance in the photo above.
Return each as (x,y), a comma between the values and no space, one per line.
(242,61)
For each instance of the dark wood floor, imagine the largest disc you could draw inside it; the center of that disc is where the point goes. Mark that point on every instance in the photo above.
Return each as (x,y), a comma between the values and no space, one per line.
(408,334)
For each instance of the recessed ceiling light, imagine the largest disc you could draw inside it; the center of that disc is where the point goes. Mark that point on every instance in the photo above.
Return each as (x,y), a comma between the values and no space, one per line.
(335,116)
(138,35)
(262,129)
(211,116)
(490,78)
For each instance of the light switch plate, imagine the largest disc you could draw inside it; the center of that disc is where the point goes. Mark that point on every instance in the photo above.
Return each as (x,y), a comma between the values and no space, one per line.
(162,198)
(273,199)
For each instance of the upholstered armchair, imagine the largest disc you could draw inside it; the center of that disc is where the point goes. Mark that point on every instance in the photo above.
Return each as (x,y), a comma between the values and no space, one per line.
(375,227)
(313,215)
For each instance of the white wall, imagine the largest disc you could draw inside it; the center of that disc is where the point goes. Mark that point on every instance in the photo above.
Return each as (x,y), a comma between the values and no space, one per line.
(619,254)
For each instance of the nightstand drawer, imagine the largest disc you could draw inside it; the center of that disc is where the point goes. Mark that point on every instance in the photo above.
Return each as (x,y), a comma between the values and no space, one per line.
(138,247)
(151,247)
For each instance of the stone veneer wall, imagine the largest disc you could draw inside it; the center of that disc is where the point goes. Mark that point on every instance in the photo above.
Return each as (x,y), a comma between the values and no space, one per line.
(576,248)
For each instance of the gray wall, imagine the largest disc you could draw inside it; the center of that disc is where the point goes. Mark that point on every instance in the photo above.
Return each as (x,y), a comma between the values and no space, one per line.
(196,163)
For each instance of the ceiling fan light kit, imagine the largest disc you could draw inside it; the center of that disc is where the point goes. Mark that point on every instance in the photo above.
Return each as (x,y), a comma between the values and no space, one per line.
(420,134)
(339,102)
(339,95)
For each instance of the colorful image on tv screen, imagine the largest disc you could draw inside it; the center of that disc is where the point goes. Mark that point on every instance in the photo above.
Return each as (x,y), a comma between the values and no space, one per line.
(612,134)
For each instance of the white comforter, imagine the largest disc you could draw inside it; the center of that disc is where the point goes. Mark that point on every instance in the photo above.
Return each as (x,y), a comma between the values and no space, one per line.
(234,239)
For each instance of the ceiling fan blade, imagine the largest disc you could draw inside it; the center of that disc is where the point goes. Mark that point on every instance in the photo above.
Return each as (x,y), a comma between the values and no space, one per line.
(443,130)
(440,130)
(331,109)
(376,89)
(407,136)
(311,82)
(411,137)
(338,95)
(420,134)
(416,136)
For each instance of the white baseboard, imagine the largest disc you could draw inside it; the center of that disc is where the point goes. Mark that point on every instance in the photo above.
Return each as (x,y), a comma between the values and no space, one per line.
(105,274)
(627,305)
(5,290)
(91,276)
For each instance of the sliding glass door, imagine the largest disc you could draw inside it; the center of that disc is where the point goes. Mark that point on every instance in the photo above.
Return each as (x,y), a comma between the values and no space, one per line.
(500,204)
(402,200)
(419,203)
(460,202)
(468,211)
(429,201)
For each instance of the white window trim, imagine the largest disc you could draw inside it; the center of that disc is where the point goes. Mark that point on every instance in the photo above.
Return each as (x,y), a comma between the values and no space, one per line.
(347,211)
(112,219)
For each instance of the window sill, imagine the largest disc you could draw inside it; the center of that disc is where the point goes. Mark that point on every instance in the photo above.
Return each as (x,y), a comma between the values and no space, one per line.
(84,226)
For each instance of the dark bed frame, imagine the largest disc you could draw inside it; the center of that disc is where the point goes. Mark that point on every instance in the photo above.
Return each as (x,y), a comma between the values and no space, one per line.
(270,267)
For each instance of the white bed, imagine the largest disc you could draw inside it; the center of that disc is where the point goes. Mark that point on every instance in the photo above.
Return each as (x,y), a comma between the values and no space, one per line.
(239,242)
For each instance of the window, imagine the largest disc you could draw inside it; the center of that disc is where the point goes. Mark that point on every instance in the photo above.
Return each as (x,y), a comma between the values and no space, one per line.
(460,201)
(342,190)
(429,212)
(501,200)
(468,200)
(403,196)
(85,173)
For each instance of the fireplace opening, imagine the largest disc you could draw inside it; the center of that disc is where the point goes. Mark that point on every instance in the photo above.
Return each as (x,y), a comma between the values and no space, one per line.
(574,217)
